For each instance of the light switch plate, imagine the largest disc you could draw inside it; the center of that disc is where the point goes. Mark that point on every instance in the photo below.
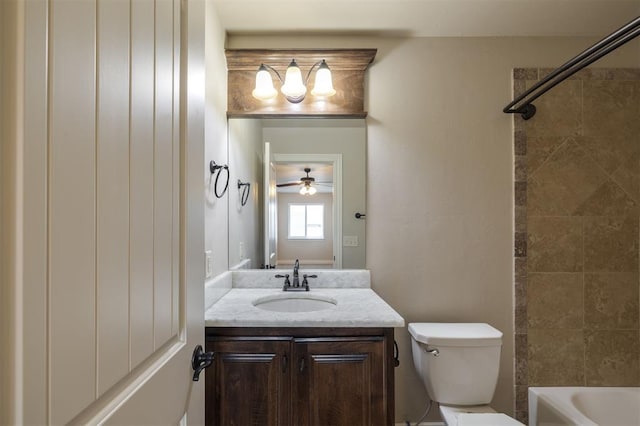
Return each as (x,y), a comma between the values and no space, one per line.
(350,241)
(208,264)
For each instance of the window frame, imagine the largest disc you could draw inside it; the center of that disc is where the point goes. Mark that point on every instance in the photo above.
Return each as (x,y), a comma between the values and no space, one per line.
(306,237)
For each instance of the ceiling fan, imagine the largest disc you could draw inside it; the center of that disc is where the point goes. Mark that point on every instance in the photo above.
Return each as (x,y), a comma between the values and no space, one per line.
(306,183)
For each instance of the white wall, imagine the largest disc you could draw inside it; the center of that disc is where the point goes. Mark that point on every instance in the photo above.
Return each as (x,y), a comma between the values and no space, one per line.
(439,187)
(245,163)
(216,209)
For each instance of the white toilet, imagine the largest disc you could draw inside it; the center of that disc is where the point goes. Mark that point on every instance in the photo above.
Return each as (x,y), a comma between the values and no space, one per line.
(459,365)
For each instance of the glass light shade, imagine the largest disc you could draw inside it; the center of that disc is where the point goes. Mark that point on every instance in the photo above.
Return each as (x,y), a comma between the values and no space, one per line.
(293,88)
(264,85)
(324,84)
(307,190)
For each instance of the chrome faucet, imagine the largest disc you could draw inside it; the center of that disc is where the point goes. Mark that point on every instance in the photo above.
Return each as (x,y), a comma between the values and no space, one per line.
(296,279)
(296,285)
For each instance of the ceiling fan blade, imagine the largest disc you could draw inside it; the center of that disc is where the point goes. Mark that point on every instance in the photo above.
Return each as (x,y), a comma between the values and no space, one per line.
(279,185)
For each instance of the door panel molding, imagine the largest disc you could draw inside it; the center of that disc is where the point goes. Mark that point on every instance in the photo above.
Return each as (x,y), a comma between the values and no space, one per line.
(80,117)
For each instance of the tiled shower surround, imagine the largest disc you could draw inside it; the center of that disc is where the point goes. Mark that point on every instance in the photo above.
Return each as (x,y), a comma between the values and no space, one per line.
(577,198)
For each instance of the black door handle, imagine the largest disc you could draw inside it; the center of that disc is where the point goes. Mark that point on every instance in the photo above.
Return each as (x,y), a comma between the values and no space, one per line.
(199,361)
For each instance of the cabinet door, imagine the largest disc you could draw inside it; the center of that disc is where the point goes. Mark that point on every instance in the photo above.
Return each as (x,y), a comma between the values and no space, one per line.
(339,381)
(248,383)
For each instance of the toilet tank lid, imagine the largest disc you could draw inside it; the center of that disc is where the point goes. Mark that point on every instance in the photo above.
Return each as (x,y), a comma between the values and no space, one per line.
(455,334)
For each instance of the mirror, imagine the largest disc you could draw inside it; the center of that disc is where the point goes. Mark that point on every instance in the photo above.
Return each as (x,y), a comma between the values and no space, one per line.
(276,224)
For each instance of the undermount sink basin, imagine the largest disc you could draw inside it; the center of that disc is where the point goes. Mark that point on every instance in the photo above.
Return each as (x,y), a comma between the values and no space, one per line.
(288,302)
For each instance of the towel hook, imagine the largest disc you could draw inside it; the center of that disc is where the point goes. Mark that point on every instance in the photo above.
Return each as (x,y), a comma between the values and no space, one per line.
(246,186)
(217,169)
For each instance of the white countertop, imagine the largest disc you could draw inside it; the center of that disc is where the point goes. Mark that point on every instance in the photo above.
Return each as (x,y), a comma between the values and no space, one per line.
(355,307)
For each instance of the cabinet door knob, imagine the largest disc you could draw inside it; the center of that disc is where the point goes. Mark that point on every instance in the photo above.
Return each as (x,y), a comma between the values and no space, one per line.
(396,354)
(284,363)
(301,364)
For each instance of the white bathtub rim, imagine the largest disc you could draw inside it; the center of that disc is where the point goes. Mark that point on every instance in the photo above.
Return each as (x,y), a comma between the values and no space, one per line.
(564,410)
(559,400)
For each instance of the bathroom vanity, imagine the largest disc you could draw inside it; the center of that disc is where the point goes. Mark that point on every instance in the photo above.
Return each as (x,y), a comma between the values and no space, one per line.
(301,358)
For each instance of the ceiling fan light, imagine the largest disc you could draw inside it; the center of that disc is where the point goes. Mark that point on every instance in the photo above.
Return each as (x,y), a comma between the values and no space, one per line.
(264,89)
(307,190)
(323,83)
(293,88)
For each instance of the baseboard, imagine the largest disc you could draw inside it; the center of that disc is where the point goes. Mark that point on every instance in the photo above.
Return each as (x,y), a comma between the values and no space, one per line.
(305,262)
(423,424)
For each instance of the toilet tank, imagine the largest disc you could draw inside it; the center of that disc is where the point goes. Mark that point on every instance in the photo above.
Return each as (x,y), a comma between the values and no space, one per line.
(465,372)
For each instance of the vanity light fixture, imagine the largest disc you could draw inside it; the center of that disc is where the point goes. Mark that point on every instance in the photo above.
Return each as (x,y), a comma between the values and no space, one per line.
(293,87)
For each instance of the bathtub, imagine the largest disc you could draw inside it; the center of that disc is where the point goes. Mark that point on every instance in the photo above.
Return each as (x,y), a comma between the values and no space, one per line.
(584,406)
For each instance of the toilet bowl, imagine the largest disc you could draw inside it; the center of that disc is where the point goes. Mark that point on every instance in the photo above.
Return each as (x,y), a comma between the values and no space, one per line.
(459,365)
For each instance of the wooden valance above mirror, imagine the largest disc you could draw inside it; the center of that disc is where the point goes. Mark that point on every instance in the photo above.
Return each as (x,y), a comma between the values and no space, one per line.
(347,66)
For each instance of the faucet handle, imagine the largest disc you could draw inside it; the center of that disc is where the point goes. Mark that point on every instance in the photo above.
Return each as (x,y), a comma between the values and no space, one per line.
(287,283)
(305,283)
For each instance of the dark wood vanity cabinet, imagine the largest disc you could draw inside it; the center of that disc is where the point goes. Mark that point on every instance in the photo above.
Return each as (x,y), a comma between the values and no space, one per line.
(339,382)
(299,376)
(248,383)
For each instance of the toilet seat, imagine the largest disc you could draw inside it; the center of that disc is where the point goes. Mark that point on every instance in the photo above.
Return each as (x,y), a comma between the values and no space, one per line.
(479,415)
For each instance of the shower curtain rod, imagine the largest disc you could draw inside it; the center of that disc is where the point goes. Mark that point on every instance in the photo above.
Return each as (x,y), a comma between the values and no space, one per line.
(522,104)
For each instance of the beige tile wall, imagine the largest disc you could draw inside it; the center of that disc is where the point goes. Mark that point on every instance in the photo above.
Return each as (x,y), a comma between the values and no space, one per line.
(577,192)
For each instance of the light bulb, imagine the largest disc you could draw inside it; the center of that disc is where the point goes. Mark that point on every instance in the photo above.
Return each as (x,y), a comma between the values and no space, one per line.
(323,85)
(307,190)
(293,88)
(264,85)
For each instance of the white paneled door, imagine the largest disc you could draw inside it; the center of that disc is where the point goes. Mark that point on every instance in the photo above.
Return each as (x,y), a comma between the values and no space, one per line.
(109,211)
